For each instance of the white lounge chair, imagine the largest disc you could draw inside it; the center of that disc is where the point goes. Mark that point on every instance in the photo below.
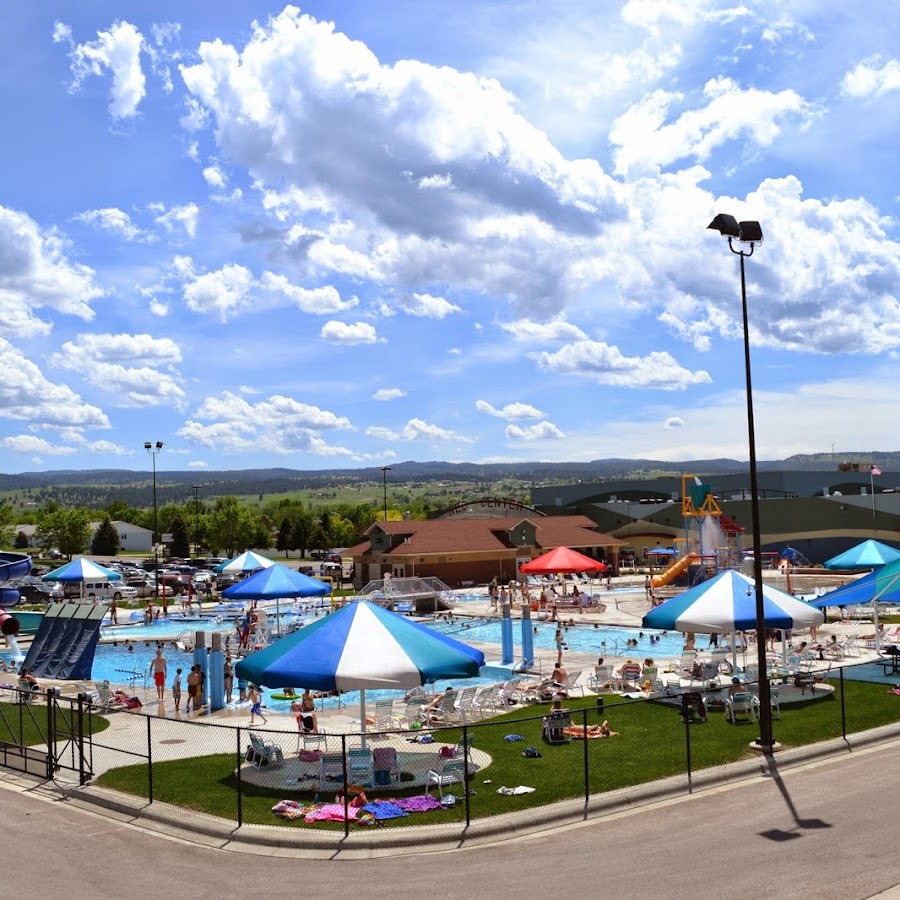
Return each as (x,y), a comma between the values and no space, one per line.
(361,767)
(453,771)
(741,705)
(446,711)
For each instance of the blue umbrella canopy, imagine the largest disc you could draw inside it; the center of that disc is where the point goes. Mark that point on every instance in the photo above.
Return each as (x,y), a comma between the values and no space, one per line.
(277,582)
(361,646)
(81,569)
(246,562)
(882,585)
(726,603)
(867,555)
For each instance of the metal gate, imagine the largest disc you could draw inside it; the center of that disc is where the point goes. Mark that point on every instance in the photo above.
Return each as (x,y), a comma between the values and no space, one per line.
(46,735)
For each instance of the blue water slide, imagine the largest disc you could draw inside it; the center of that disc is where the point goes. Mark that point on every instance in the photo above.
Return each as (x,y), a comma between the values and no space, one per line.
(9,597)
(14,565)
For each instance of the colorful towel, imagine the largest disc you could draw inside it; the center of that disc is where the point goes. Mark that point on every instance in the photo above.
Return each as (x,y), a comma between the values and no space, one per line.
(331,812)
(384,809)
(419,804)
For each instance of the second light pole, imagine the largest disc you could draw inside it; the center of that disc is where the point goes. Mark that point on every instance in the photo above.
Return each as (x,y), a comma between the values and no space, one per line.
(384,471)
(196,488)
(750,235)
(153,449)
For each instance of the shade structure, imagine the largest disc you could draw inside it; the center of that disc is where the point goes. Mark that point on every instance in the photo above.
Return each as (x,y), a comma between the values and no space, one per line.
(357,647)
(81,569)
(869,554)
(246,562)
(726,603)
(661,551)
(880,586)
(561,559)
(277,582)
(361,646)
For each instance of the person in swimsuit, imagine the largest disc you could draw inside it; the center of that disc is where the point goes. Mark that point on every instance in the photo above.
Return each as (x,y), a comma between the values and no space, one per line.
(256,705)
(176,690)
(158,667)
(304,709)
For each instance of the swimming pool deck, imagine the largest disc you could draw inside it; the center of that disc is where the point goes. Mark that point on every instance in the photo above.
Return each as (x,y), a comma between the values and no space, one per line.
(624,608)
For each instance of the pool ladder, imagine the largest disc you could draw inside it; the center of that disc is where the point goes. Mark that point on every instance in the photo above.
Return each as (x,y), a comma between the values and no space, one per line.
(135,676)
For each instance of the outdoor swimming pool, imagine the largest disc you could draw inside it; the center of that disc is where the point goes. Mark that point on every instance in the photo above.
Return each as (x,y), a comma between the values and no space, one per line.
(601,641)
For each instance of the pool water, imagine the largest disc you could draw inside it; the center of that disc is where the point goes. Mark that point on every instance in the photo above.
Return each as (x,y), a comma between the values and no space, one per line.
(601,641)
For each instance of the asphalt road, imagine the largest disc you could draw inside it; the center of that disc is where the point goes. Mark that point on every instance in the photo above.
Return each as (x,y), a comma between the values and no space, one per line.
(828,830)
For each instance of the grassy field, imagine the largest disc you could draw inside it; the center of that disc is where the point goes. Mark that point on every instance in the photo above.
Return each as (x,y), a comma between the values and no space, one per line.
(651,745)
(26,724)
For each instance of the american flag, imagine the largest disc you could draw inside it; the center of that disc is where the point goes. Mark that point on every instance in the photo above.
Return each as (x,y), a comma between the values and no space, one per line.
(875,470)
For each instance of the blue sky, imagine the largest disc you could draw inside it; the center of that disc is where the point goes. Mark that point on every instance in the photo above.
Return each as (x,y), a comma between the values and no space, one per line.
(351,233)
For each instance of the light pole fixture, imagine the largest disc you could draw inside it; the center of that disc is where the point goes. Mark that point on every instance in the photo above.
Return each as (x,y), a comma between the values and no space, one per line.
(384,471)
(196,488)
(749,235)
(153,449)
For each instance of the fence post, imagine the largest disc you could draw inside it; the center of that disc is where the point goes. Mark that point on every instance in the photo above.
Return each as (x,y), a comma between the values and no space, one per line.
(149,761)
(346,786)
(465,739)
(82,780)
(587,774)
(843,707)
(687,744)
(52,694)
(240,780)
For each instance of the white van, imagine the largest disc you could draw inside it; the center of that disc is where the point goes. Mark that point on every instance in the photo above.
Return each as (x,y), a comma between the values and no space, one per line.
(104,591)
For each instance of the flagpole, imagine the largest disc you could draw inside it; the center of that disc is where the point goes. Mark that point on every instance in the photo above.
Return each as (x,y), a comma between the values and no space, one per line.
(872,489)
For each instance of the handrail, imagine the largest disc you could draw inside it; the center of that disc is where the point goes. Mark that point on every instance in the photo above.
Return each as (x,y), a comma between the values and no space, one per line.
(135,675)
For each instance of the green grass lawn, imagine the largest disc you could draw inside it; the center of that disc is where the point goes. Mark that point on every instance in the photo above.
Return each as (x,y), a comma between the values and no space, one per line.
(650,746)
(26,724)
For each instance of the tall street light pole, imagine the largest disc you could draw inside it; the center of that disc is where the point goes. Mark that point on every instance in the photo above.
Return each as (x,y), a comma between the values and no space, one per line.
(749,234)
(384,471)
(196,488)
(153,449)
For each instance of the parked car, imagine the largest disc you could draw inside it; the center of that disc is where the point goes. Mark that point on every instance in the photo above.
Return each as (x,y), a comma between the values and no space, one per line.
(33,590)
(225,579)
(142,584)
(102,590)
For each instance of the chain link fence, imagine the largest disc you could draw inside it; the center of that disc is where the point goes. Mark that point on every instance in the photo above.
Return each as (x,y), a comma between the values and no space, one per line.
(502,767)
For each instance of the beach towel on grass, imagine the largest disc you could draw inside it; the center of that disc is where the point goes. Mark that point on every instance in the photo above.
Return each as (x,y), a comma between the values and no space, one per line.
(521,789)
(419,804)
(384,809)
(331,812)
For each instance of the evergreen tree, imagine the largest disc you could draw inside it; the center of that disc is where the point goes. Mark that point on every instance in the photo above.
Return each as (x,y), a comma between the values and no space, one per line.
(21,541)
(106,539)
(180,545)
(283,541)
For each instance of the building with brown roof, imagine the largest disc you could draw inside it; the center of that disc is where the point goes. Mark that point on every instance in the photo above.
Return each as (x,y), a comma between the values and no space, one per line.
(474,543)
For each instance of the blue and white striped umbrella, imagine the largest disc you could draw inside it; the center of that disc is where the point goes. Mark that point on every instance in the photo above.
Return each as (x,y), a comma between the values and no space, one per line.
(360,646)
(81,569)
(246,562)
(727,603)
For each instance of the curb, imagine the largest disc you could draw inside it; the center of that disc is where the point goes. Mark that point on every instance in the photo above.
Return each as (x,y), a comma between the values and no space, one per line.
(219,833)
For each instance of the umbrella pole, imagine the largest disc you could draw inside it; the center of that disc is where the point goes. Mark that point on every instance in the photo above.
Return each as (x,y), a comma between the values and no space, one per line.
(875,622)
(362,717)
